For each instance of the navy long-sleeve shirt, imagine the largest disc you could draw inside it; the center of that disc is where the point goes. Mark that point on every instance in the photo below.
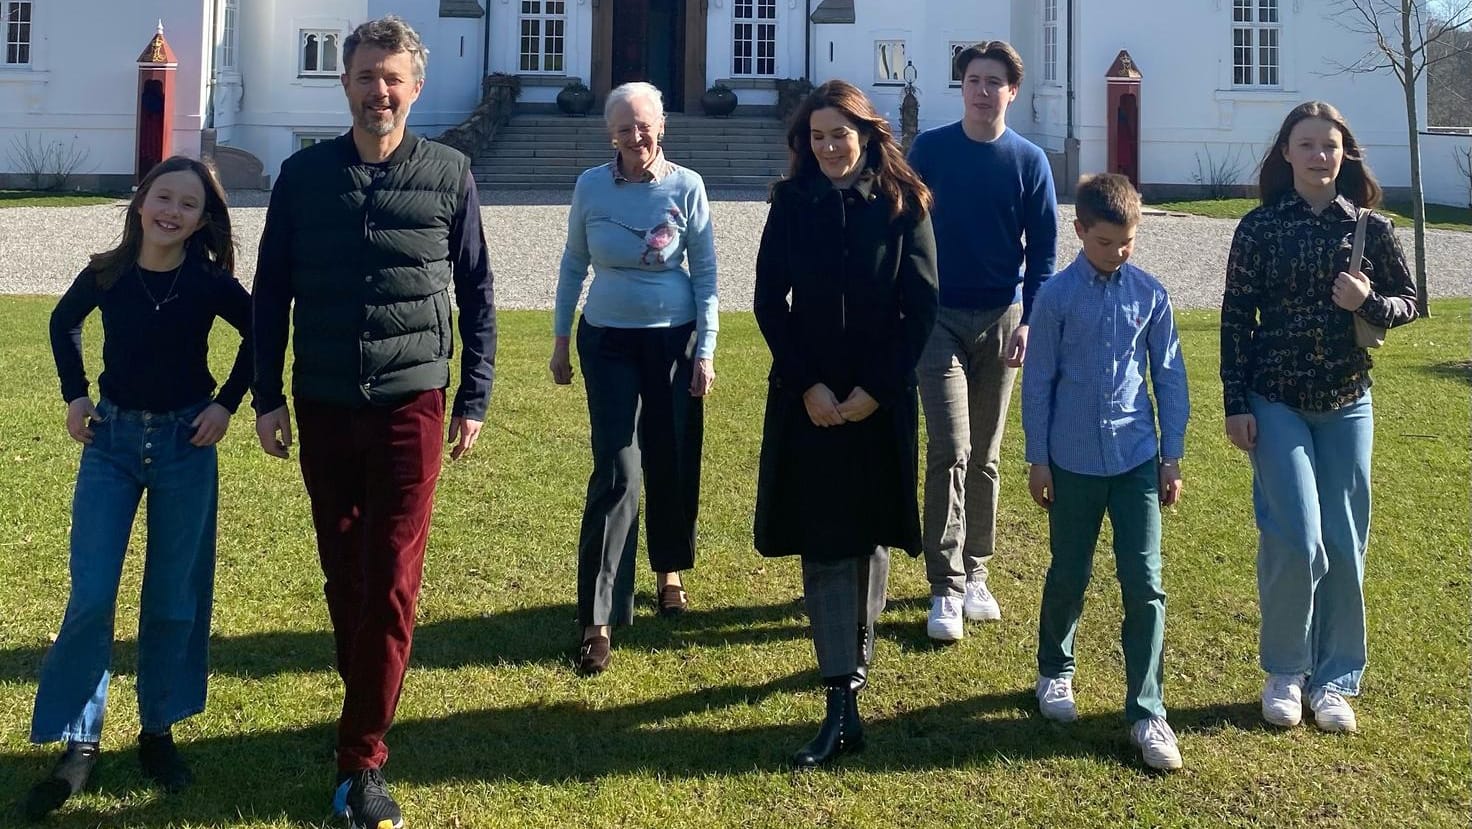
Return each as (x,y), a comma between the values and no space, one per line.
(474,296)
(995,216)
(155,336)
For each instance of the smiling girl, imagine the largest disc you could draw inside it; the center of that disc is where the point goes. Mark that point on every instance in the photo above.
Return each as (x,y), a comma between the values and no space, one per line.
(153,430)
(1297,391)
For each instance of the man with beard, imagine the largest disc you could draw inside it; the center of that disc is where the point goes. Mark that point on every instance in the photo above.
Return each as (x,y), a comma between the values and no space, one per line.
(365,234)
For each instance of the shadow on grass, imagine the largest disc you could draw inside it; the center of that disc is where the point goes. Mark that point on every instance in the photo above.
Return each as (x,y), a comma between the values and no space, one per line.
(287,774)
(1450,370)
(546,634)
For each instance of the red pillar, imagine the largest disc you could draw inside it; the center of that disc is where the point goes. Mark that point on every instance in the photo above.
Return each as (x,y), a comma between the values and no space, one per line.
(157,68)
(1123,116)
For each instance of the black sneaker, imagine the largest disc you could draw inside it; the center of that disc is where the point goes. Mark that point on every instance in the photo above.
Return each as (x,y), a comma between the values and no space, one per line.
(68,777)
(362,798)
(162,764)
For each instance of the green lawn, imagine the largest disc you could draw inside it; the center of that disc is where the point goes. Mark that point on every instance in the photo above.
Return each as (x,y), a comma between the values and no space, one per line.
(39,198)
(693,724)
(1437,215)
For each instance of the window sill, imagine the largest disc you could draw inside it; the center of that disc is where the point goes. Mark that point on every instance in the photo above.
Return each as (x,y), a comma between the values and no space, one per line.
(317,81)
(1265,94)
(556,79)
(889,84)
(748,82)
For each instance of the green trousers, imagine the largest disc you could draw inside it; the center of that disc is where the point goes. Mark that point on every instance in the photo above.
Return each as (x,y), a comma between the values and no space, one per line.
(1132,500)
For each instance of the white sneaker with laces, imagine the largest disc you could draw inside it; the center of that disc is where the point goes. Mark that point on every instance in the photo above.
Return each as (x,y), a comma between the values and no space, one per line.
(1157,743)
(944,624)
(981,605)
(1332,711)
(1055,698)
(1282,699)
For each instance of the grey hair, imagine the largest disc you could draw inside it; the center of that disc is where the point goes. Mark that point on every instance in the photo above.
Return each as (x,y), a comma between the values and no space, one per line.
(624,93)
(392,34)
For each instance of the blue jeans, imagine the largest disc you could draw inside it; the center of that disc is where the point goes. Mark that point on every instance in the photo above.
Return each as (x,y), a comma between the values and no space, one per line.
(1311,497)
(134,451)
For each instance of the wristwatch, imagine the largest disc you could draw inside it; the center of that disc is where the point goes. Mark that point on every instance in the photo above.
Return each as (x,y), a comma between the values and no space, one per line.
(1172,462)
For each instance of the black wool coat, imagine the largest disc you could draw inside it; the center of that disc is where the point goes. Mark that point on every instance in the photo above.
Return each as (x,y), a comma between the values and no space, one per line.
(845,296)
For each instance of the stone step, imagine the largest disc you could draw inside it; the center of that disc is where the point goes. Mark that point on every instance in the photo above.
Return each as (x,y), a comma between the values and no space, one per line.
(510,183)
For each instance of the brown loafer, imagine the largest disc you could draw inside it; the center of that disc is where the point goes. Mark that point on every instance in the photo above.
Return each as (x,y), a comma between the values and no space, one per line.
(594,656)
(673,600)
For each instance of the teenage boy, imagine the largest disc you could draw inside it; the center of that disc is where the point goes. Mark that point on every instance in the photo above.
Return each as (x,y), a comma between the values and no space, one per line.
(996,231)
(1092,446)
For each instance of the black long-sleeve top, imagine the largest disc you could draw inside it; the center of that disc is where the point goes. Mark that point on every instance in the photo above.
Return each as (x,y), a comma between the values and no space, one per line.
(155,336)
(474,297)
(1282,335)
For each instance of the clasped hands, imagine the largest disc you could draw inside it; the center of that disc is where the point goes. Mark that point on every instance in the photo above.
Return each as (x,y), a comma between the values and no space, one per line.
(824,408)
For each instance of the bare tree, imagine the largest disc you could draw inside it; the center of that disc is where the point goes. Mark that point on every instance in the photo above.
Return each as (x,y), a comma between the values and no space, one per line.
(1403,35)
(1464,165)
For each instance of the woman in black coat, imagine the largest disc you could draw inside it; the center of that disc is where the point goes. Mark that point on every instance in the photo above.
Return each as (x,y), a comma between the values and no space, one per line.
(848,239)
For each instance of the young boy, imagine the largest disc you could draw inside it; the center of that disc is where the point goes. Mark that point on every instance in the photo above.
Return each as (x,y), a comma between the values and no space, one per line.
(1091,444)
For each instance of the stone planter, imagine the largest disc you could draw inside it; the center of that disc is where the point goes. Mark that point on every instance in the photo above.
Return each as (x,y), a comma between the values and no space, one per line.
(718,101)
(575,99)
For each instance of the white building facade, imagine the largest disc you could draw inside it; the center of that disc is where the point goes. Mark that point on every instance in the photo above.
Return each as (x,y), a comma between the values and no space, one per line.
(260,76)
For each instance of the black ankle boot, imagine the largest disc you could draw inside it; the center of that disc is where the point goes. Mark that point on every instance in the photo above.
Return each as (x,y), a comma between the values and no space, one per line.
(866,649)
(841,731)
(69,777)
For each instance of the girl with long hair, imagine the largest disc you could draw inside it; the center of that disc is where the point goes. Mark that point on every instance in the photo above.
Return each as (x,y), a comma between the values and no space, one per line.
(1296,385)
(848,238)
(153,430)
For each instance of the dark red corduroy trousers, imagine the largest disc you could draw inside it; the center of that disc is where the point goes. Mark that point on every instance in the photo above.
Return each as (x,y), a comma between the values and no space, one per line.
(370,473)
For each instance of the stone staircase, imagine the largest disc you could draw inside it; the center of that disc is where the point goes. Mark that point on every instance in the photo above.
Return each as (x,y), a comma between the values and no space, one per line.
(548,151)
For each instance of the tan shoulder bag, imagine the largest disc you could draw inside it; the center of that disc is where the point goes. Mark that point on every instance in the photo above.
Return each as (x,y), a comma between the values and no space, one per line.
(1366,333)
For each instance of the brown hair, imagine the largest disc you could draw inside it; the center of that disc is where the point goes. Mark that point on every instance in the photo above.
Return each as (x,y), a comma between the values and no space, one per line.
(882,154)
(1355,181)
(214,240)
(1107,197)
(392,34)
(998,50)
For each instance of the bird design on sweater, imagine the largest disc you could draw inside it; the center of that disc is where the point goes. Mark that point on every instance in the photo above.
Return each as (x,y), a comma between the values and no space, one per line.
(658,239)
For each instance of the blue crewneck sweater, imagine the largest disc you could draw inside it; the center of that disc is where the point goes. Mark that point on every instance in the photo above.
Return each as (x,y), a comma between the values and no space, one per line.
(637,236)
(995,216)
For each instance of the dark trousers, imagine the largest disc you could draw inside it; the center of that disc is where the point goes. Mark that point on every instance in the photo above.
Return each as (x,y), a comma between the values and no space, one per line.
(643,420)
(842,597)
(1132,500)
(371,473)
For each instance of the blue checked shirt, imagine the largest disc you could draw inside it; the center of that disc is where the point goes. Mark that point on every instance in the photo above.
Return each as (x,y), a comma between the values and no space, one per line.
(1084,402)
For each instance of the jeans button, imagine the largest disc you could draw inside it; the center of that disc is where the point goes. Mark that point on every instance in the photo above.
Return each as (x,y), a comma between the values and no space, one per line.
(148,460)
(147,446)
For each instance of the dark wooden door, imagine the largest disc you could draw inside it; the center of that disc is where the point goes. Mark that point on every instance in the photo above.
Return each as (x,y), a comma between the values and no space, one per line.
(649,45)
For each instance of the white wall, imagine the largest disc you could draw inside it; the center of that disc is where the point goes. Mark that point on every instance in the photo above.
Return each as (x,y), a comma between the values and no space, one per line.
(790,56)
(506,49)
(82,85)
(846,50)
(1443,182)
(1187,102)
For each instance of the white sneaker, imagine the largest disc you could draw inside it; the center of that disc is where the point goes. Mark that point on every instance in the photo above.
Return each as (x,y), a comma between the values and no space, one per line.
(1055,698)
(1157,743)
(981,605)
(1332,711)
(1282,699)
(944,624)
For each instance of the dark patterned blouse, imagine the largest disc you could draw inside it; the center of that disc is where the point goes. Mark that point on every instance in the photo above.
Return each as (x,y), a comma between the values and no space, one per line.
(1282,335)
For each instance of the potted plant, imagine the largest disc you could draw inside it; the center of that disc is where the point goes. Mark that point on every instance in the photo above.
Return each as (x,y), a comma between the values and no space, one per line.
(791,92)
(718,101)
(575,99)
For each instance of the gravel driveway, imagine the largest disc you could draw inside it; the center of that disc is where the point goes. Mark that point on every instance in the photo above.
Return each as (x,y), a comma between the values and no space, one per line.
(43,248)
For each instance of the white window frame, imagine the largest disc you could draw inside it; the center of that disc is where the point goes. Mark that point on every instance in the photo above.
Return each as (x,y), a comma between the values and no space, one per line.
(301,53)
(302,139)
(545,30)
(1257,44)
(20,40)
(229,46)
(889,62)
(953,51)
(1050,42)
(754,38)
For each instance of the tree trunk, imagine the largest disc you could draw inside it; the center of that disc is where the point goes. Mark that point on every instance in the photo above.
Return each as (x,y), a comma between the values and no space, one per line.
(1418,197)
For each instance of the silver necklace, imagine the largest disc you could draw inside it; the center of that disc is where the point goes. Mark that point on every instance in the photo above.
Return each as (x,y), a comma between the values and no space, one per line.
(168,297)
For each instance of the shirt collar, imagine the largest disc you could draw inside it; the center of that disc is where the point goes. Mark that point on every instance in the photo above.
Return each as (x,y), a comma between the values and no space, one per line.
(657,171)
(1341,205)
(1094,274)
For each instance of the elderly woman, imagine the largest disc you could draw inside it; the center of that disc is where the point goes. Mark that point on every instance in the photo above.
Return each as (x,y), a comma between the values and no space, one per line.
(645,342)
(845,298)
